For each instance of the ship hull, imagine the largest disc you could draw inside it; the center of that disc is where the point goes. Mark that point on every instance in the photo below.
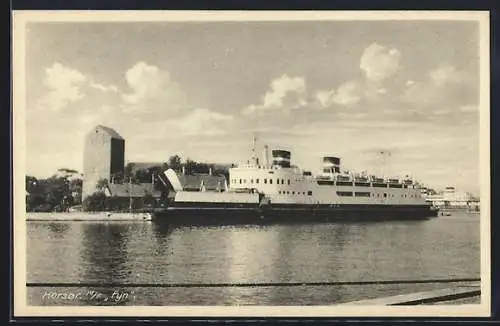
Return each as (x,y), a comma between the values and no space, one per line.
(215,214)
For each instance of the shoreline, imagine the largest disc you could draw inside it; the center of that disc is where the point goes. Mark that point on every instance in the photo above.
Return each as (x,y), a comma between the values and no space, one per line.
(88,216)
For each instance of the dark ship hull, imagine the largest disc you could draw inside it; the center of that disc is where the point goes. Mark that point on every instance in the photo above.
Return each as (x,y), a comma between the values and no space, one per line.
(250,214)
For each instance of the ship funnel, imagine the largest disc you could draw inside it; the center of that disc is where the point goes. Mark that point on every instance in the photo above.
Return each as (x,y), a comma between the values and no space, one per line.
(266,156)
(331,164)
(281,158)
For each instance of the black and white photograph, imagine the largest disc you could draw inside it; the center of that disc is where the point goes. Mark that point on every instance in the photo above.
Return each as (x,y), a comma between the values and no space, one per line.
(219,163)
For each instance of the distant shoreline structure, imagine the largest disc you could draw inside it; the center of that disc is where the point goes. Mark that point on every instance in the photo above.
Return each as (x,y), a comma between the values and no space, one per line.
(450,198)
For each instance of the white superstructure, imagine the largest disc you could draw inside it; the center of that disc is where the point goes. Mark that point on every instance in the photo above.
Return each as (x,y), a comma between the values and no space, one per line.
(283,183)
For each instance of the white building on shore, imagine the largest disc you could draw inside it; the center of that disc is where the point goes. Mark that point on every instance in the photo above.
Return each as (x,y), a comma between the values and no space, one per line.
(450,198)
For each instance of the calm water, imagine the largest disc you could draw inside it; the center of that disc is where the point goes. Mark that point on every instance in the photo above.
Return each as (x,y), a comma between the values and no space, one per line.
(150,253)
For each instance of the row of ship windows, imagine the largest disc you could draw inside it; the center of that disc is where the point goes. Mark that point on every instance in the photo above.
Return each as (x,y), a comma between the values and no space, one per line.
(368,194)
(241,181)
(322,183)
(347,194)
(309,193)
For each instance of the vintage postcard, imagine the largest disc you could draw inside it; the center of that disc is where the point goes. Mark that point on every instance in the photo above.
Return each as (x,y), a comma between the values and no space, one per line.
(251,163)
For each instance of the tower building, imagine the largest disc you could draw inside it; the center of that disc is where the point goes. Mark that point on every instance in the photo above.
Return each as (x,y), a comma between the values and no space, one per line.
(103,156)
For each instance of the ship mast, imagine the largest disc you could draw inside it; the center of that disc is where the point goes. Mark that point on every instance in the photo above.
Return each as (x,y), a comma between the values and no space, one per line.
(255,159)
(384,154)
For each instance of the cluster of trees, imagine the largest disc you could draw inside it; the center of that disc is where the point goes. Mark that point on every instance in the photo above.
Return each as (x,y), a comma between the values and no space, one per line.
(64,189)
(56,193)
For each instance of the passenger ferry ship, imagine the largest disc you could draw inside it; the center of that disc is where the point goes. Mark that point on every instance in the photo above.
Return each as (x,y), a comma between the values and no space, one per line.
(279,192)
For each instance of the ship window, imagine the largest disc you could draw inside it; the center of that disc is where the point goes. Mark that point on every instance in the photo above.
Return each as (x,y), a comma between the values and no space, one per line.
(279,192)
(282,181)
(257,181)
(344,193)
(288,181)
(251,180)
(378,195)
(405,195)
(293,192)
(270,181)
(385,195)
(309,193)
(362,194)
(265,180)
(241,181)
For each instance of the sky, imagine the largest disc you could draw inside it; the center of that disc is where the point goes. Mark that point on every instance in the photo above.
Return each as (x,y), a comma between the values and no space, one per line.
(203,89)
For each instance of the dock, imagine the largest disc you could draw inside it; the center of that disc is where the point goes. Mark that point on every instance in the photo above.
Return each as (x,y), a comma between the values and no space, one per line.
(471,292)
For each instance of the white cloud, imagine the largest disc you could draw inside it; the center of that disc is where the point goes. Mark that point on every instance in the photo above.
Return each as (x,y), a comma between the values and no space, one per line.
(145,81)
(203,122)
(64,84)
(379,63)
(445,86)
(104,88)
(325,97)
(285,93)
(446,74)
(347,94)
(441,112)
(67,86)
(198,122)
(469,108)
(152,89)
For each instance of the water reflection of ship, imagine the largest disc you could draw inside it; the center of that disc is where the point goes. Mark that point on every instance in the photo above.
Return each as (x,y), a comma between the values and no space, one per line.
(281,255)
(162,233)
(310,265)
